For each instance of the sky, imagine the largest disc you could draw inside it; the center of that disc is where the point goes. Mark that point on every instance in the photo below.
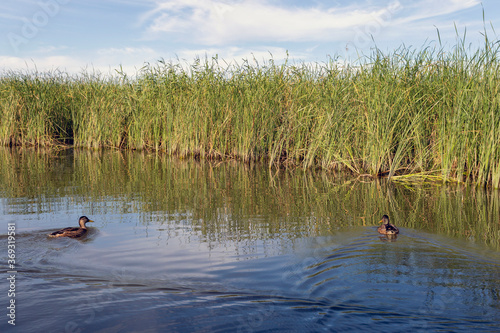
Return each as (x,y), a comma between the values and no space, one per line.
(77,36)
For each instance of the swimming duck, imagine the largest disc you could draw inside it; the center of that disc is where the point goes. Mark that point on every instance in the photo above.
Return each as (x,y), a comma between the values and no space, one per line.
(73,232)
(387,228)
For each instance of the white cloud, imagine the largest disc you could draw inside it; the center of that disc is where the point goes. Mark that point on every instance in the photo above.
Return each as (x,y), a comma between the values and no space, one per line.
(105,61)
(226,22)
(425,9)
(41,64)
(256,29)
(214,22)
(130,60)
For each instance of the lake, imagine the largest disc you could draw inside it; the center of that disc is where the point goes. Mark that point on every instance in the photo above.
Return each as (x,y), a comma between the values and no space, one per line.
(210,246)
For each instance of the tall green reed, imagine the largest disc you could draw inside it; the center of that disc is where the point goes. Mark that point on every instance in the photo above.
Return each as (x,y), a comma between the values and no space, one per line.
(431,114)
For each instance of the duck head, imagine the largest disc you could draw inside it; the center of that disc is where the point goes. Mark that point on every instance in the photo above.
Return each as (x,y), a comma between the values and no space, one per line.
(83,220)
(385,219)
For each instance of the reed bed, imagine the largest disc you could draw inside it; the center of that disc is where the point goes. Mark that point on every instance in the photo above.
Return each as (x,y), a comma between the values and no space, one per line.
(425,114)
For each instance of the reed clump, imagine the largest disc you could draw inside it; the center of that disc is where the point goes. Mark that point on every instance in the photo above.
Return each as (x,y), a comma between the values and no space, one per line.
(409,112)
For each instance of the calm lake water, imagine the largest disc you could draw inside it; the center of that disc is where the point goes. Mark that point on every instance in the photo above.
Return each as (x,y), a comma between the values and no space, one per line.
(187,246)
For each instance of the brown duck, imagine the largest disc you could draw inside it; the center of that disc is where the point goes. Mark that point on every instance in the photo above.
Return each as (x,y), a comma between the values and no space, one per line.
(73,232)
(387,228)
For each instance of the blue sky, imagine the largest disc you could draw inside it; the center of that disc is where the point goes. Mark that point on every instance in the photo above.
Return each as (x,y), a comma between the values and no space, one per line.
(73,35)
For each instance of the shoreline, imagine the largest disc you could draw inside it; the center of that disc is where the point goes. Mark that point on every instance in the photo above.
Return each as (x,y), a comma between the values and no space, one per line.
(409,114)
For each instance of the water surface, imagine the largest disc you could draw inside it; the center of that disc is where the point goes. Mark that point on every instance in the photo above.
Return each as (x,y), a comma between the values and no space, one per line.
(189,246)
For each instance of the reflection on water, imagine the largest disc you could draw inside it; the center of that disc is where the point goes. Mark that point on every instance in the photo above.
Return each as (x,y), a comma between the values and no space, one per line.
(206,246)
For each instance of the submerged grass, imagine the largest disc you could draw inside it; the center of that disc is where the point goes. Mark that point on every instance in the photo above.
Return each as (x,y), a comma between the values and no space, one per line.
(425,114)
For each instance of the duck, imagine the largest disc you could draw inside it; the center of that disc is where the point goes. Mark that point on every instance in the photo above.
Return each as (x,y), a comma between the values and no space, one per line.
(73,232)
(387,228)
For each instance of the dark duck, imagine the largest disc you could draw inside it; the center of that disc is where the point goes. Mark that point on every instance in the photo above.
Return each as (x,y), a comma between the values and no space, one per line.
(73,232)
(387,228)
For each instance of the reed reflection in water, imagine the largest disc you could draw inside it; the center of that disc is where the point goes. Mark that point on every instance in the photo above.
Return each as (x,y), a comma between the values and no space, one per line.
(206,246)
